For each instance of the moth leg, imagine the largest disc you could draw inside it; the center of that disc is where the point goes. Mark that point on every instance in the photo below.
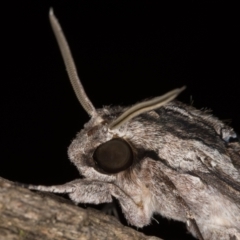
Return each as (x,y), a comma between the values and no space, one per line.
(95,192)
(88,191)
(111,209)
(80,191)
(64,188)
(133,212)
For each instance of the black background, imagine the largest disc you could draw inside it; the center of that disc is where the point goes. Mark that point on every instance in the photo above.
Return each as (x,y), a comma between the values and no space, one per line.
(125,51)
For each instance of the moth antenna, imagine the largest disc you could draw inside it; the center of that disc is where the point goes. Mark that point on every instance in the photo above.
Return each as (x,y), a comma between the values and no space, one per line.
(70,65)
(146,106)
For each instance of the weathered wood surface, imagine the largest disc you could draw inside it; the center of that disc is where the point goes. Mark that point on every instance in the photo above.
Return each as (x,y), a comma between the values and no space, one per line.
(25,215)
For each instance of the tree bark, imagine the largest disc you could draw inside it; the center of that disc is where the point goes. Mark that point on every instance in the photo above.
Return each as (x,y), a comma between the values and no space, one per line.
(26,215)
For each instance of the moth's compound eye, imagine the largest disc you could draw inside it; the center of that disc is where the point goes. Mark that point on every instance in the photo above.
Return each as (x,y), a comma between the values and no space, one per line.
(114,156)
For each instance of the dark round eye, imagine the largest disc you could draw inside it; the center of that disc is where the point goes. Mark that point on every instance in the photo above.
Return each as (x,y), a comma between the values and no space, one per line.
(114,156)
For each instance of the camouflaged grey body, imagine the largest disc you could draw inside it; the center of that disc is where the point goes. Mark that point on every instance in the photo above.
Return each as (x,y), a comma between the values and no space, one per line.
(159,156)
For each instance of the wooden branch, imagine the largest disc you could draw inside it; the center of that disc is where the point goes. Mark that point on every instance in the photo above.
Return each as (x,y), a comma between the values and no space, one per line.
(26,215)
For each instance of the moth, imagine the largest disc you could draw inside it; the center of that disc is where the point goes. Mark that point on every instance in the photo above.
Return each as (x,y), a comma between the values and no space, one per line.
(157,156)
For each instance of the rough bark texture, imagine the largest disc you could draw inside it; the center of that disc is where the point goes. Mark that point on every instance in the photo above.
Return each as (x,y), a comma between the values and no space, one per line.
(27,215)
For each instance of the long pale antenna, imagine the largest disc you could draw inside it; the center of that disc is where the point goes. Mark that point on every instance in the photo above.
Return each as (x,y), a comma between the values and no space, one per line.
(70,65)
(146,106)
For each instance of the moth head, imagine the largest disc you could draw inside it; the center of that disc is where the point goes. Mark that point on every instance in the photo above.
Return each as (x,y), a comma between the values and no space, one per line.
(101,140)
